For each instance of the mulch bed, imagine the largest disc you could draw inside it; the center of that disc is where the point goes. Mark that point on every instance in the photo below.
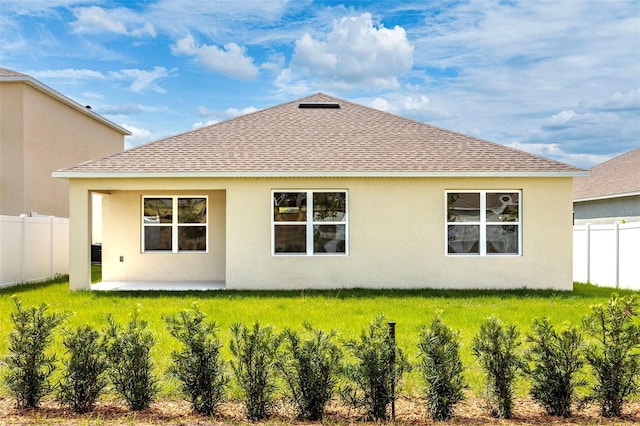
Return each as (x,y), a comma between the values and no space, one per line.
(409,411)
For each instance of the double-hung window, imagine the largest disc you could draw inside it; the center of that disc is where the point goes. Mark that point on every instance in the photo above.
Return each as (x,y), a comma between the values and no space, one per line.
(174,224)
(310,222)
(484,222)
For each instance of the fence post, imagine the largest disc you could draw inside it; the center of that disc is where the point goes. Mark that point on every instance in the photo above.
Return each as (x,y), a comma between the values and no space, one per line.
(617,238)
(23,248)
(589,253)
(51,245)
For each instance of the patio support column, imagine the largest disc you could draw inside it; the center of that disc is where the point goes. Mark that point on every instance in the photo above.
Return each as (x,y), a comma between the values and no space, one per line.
(79,236)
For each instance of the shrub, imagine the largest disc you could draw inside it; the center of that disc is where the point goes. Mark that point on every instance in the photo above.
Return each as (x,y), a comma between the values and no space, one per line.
(379,366)
(254,351)
(82,379)
(198,365)
(615,353)
(128,352)
(441,368)
(309,366)
(556,359)
(495,347)
(29,367)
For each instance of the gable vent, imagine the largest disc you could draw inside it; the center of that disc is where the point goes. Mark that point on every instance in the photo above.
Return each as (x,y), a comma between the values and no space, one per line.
(333,105)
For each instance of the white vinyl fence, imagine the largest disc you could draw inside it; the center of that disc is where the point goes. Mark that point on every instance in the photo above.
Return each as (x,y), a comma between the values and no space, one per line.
(607,255)
(33,248)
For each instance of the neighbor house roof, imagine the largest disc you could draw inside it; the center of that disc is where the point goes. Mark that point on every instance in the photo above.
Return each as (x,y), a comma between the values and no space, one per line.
(617,177)
(320,135)
(11,76)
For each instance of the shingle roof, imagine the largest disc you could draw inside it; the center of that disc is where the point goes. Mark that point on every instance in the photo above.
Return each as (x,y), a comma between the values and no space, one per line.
(620,175)
(11,76)
(6,72)
(287,140)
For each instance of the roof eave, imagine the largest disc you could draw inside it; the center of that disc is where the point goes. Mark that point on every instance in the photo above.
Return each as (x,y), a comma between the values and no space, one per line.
(607,197)
(64,99)
(312,174)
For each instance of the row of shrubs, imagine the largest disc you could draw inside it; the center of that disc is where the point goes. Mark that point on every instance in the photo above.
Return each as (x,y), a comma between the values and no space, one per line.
(312,368)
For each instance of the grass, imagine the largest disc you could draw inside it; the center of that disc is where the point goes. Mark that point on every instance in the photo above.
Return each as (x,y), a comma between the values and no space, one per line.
(347,311)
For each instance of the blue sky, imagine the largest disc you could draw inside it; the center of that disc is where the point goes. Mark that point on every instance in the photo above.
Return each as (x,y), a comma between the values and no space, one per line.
(556,78)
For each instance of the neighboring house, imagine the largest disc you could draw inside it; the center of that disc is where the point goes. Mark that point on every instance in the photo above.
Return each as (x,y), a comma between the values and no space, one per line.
(42,130)
(325,193)
(612,192)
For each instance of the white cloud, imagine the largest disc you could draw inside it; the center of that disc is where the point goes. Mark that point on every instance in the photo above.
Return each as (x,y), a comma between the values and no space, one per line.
(287,84)
(138,136)
(231,60)
(69,73)
(355,54)
(553,150)
(142,80)
(418,107)
(95,20)
(221,115)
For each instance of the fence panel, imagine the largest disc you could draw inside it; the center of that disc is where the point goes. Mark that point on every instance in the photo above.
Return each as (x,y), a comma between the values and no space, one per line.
(33,248)
(607,255)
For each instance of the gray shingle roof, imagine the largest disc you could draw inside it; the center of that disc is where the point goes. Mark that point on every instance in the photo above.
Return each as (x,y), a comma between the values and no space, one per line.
(286,140)
(620,175)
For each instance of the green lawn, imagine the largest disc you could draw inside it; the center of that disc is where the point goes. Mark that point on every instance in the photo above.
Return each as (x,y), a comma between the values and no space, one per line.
(347,311)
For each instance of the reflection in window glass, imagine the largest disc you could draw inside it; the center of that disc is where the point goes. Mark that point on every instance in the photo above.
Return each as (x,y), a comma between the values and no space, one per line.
(290,238)
(329,206)
(463,239)
(192,238)
(502,207)
(290,206)
(157,238)
(502,239)
(192,210)
(158,210)
(463,207)
(329,239)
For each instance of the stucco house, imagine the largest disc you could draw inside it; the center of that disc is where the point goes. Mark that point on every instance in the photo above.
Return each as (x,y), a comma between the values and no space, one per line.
(42,130)
(612,192)
(325,193)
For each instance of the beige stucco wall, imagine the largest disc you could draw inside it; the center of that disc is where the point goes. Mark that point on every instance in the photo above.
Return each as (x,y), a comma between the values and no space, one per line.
(396,235)
(40,134)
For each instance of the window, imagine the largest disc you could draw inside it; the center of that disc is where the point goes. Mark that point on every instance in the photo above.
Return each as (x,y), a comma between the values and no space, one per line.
(483,222)
(174,224)
(309,222)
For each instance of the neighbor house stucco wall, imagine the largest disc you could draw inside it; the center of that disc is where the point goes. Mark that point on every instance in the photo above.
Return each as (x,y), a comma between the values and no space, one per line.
(41,134)
(396,235)
(607,210)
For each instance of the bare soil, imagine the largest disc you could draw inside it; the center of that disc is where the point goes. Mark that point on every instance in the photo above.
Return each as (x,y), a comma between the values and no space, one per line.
(409,411)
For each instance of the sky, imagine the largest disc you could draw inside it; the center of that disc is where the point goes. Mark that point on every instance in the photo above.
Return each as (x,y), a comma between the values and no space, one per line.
(556,78)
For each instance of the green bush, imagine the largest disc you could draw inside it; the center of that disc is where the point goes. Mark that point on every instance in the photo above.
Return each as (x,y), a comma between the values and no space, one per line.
(557,359)
(29,366)
(495,348)
(374,376)
(441,368)
(82,379)
(310,365)
(254,351)
(198,365)
(128,352)
(615,354)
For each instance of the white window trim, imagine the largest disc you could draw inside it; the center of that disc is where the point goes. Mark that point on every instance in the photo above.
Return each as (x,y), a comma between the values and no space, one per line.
(482,222)
(174,225)
(310,223)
